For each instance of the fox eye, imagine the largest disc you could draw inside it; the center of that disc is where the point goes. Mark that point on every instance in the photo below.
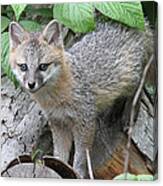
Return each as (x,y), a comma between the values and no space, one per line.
(23,67)
(43,67)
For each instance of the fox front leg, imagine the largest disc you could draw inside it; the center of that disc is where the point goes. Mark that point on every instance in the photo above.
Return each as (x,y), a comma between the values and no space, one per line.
(83,142)
(62,142)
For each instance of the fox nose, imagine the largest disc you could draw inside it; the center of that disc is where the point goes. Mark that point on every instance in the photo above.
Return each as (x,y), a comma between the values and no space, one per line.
(31,85)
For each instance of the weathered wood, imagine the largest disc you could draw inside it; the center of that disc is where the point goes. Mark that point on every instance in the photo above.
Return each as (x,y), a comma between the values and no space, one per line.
(47,166)
(31,170)
(22,122)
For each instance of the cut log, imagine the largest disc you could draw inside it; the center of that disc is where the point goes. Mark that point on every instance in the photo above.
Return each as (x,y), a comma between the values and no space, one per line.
(48,167)
(30,170)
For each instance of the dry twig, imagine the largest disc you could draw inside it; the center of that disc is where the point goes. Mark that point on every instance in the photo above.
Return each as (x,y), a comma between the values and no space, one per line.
(90,171)
(131,122)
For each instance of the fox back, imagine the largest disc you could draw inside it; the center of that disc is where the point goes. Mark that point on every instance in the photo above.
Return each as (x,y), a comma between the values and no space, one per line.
(110,61)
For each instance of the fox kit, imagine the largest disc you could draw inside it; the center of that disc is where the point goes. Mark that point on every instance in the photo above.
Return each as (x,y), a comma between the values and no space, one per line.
(72,86)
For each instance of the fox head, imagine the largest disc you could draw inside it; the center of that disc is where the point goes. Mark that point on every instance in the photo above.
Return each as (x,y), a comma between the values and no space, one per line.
(36,58)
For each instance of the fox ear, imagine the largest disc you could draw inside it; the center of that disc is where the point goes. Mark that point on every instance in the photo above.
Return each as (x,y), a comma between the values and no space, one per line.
(52,34)
(17,34)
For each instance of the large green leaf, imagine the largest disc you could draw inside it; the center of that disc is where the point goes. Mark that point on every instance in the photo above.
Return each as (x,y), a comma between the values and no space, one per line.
(129,13)
(31,26)
(18,9)
(4,23)
(5,56)
(77,16)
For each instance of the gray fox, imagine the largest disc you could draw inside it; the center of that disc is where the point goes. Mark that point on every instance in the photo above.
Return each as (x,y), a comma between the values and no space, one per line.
(73,86)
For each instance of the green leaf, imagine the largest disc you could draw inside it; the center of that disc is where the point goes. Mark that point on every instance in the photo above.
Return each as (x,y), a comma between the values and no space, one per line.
(8,11)
(4,23)
(133,177)
(77,16)
(129,177)
(44,12)
(150,89)
(5,56)
(35,154)
(129,13)
(30,26)
(145,178)
(18,9)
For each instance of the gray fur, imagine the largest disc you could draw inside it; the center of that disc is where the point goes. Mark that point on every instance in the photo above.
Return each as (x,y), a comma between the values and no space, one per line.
(108,61)
(106,64)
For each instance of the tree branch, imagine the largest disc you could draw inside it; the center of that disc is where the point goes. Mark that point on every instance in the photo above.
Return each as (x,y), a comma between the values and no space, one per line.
(132,114)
